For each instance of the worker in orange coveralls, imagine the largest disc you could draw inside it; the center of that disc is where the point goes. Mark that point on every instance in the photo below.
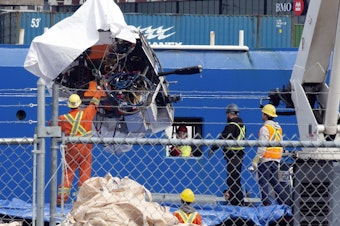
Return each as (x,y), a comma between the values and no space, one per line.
(78,122)
(186,213)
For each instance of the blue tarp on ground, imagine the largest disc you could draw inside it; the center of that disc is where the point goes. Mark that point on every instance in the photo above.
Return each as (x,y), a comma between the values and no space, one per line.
(211,214)
(260,215)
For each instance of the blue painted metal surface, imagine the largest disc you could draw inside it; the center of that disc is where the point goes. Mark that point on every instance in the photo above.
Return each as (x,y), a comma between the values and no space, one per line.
(195,29)
(275,32)
(56,17)
(34,24)
(254,72)
(11,67)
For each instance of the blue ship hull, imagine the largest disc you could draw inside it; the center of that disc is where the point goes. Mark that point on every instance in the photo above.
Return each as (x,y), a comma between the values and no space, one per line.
(228,76)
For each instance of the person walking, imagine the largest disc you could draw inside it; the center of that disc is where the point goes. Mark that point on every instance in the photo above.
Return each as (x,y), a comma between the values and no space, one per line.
(267,159)
(234,130)
(186,213)
(78,122)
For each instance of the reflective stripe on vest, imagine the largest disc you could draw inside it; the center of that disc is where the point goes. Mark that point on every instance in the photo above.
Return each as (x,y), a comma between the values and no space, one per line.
(187,218)
(241,135)
(77,129)
(95,101)
(64,190)
(274,135)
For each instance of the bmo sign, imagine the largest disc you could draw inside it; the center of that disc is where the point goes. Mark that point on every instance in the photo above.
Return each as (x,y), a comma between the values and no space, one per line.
(297,6)
(284,7)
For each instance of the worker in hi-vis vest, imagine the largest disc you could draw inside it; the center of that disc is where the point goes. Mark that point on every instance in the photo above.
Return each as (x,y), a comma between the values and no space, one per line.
(181,150)
(267,159)
(186,213)
(234,130)
(78,122)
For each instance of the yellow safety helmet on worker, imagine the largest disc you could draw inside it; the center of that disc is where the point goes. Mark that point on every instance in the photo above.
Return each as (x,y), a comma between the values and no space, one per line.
(187,195)
(270,110)
(74,101)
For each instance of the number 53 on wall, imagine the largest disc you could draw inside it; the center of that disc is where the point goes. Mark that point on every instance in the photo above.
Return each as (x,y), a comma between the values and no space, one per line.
(35,22)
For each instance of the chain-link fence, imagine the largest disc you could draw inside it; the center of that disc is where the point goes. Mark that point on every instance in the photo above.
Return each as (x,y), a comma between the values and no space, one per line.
(137,180)
(16,178)
(310,187)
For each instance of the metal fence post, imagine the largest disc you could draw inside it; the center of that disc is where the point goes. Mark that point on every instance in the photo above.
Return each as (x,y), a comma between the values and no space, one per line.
(41,153)
(53,159)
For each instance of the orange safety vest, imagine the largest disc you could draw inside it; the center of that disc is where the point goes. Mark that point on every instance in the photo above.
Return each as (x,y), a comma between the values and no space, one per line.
(187,218)
(79,122)
(274,135)
(77,128)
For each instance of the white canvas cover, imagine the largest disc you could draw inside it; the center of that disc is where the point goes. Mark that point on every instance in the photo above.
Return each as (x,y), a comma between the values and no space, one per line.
(96,22)
(53,51)
(110,201)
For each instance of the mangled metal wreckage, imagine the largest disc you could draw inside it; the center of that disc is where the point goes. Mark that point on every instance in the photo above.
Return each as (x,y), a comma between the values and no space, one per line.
(79,53)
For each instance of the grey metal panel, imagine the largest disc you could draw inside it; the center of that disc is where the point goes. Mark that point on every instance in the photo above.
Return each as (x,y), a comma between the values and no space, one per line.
(57,17)
(226,7)
(243,7)
(157,7)
(255,7)
(8,28)
(315,192)
(22,2)
(199,7)
(128,7)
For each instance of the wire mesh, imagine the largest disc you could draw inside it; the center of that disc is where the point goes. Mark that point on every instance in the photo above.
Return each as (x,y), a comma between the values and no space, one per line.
(16,178)
(126,168)
(165,177)
(311,186)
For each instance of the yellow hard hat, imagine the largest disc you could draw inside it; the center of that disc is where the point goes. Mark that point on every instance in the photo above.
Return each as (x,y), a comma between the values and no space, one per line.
(74,101)
(187,195)
(270,110)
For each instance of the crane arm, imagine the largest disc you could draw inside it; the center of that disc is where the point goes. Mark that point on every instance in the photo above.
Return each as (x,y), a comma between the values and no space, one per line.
(315,96)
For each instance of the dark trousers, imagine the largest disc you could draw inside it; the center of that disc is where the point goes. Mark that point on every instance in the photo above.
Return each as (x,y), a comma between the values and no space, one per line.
(234,167)
(268,173)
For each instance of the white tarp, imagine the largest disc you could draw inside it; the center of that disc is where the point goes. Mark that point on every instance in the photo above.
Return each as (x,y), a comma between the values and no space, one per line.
(110,201)
(52,52)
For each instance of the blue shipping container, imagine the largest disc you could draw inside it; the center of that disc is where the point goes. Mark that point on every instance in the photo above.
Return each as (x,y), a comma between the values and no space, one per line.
(32,23)
(259,32)
(275,32)
(195,29)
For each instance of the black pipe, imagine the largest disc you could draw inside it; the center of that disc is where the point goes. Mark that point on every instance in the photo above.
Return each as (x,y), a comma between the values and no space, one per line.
(183,71)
